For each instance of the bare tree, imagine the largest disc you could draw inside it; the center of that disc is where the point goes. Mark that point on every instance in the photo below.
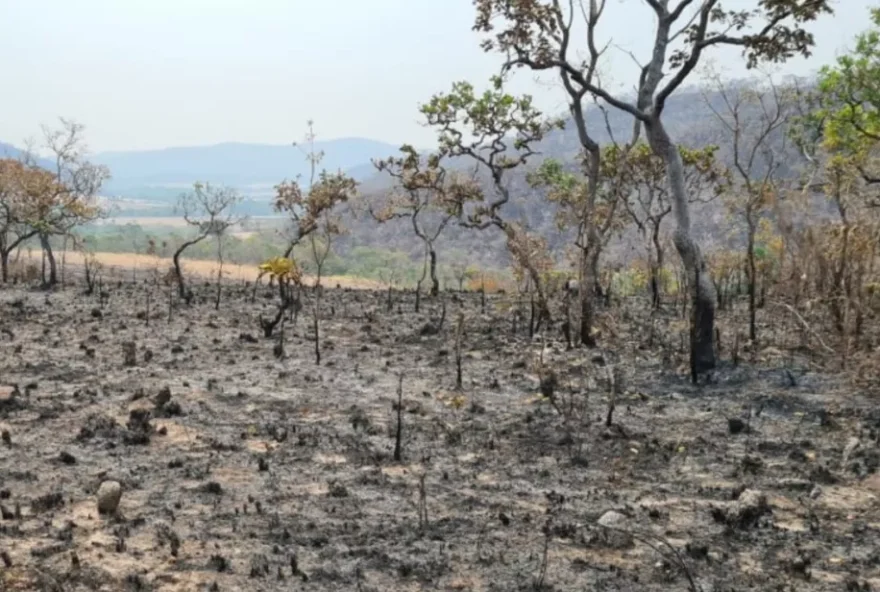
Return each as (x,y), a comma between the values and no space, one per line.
(424,191)
(73,201)
(294,201)
(220,240)
(209,210)
(314,214)
(498,133)
(753,117)
(461,271)
(531,33)
(648,203)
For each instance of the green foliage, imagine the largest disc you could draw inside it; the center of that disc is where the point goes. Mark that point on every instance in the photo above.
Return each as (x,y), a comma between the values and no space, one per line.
(850,95)
(842,117)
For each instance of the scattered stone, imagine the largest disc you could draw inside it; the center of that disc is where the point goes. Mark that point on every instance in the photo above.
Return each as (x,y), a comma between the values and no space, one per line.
(752,464)
(218,563)
(800,567)
(851,446)
(259,566)
(108,496)
(138,427)
(338,490)
(212,487)
(6,513)
(746,511)
(735,425)
(163,397)
(796,484)
(129,354)
(67,458)
(616,534)
(9,398)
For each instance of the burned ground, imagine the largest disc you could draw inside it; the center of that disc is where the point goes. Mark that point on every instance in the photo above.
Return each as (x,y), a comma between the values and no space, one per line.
(241,471)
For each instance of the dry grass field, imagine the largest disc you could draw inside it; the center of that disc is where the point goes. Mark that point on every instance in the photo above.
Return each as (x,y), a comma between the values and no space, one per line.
(200,268)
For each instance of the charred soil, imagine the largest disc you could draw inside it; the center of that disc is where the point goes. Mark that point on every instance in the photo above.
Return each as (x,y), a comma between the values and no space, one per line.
(242,470)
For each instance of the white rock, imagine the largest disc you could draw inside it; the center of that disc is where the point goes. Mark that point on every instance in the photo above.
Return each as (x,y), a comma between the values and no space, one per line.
(109,494)
(851,446)
(616,530)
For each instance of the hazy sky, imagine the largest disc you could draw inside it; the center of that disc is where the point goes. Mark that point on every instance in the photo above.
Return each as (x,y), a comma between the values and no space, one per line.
(154,73)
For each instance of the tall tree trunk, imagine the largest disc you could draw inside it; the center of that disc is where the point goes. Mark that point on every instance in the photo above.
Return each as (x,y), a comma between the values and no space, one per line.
(178,271)
(699,278)
(656,267)
(587,294)
(753,280)
(4,265)
(435,283)
(64,261)
(50,258)
(422,279)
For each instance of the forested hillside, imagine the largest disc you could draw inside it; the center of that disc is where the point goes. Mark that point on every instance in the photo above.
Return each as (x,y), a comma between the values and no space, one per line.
(692,117)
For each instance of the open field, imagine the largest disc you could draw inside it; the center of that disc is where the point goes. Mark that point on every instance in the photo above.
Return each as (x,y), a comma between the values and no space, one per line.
(199,268)
(242,471)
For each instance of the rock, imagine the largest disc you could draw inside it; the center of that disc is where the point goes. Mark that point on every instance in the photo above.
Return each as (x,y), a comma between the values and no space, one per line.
(259,566)
(129,354)
(615,526)
(851,446)
(549,384)
(67,458)
(109,494)
(9,398)
(796,484)
(736,425)
(747,509)
(162,397)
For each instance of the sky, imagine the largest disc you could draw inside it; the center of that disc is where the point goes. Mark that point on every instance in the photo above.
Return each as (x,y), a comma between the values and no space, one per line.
(146,74)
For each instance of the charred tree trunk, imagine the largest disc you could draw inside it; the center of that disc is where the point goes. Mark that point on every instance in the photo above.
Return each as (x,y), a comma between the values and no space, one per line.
(52,280)
(586,292)
(435,283)
(752,281)
(703,290)
(178,271)
(656,268)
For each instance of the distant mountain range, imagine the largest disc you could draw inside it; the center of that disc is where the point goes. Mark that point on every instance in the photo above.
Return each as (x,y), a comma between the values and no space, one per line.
(252,168)
(245,166)
(10,151)
(148,183)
